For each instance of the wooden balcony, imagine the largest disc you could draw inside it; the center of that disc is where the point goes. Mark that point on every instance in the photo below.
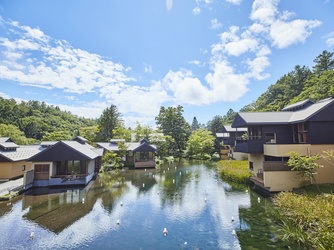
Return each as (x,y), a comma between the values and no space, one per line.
(275,166)
(145,164)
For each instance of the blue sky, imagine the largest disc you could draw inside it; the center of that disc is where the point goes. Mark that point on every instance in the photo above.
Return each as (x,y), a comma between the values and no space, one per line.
(206,55)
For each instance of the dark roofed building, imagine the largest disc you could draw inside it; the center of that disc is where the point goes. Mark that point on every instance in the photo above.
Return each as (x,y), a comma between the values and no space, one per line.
(305,127)
(66,163)
(138,154)
(13,158)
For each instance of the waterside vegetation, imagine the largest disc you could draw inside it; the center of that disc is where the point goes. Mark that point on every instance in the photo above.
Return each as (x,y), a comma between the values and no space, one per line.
(307,217)
(236,171)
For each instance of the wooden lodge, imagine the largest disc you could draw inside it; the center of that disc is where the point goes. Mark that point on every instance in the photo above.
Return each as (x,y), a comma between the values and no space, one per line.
(138,154)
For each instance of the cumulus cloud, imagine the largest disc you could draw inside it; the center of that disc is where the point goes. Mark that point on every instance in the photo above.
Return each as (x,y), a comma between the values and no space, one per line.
(196,10)
(30,57)
(215,24)
(329,39)
(282,31)
(285,34)
(55,64)
(236,2)
(148,68)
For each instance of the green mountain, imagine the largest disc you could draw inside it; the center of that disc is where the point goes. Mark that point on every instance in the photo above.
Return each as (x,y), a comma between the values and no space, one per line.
(36,120)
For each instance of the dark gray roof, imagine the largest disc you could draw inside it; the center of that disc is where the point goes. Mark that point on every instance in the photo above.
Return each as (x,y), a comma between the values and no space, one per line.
(21,153)
(84,149)
(229,129)
(5,139)
(8,145)
(298,105)
(132,146)
(286,117)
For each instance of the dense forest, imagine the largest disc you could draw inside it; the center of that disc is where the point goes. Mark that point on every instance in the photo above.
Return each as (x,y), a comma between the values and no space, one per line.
(299,84)
(33,121)
(28,122)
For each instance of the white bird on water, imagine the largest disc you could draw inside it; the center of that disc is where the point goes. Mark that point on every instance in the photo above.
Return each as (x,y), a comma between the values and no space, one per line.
(32,235)
(234,233)
(258,199)
(165,231)
(118,222)
(232,219)
(83,200)
(121,203)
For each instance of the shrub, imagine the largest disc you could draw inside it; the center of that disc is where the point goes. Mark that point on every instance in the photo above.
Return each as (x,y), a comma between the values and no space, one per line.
(307,220)
(236,171)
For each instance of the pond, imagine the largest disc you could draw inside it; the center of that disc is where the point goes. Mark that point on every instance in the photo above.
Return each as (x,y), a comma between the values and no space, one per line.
(130,210)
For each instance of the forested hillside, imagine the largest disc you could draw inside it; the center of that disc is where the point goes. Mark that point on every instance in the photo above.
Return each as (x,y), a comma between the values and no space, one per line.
(35,120)
(299,84)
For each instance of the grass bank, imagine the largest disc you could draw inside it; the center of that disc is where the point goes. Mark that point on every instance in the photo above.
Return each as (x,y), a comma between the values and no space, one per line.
(236,171)
(307,216)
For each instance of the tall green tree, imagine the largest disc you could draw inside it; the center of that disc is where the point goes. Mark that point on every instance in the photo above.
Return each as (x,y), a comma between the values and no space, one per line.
(229,117)
(9,130)
(122,133)
(57,136)
(200,142)
(195,125)
(143,132)
(323,62)
(317,87)
(108,121)
(216,125)
(172,123)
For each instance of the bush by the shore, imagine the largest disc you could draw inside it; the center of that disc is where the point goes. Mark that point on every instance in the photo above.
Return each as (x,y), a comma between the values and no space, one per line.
(236,171)
(307,218)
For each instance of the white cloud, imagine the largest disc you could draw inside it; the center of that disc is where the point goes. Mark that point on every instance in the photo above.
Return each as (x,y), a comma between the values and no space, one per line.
(169,4)
(329,39)
(54,64)
(264,11)
(236,2)
(197,63)
(226,84)
(285,34)
(257,67)
(148,68)
(196,10)
(215,24)
(186,88)
(282,32)
(234,44)
(144,101)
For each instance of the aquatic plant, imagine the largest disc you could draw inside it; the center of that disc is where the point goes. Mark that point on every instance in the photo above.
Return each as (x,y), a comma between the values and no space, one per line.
(307,220)
(236,171)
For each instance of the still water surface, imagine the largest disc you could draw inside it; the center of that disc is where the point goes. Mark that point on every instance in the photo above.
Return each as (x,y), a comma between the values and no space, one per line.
(130,210)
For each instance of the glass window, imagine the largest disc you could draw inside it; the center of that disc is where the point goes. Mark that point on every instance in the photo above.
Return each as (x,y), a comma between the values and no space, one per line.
(23,167)
(270,137)
(254,132)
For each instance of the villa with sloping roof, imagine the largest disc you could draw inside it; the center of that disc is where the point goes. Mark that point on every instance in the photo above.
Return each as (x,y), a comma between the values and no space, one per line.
(13,158)
(138,154)
(65,163)
(305,127)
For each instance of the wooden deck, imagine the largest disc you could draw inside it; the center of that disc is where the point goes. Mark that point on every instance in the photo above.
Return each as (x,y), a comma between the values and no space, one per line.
(257,181)
(145,164)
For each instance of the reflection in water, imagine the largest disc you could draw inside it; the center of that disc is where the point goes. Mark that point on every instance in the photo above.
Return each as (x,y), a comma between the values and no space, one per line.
(130,209)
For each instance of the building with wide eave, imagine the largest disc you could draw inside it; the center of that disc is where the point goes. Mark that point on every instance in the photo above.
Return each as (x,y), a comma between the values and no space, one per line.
(64,163)
(138,154)
(13,158)
(305,127)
